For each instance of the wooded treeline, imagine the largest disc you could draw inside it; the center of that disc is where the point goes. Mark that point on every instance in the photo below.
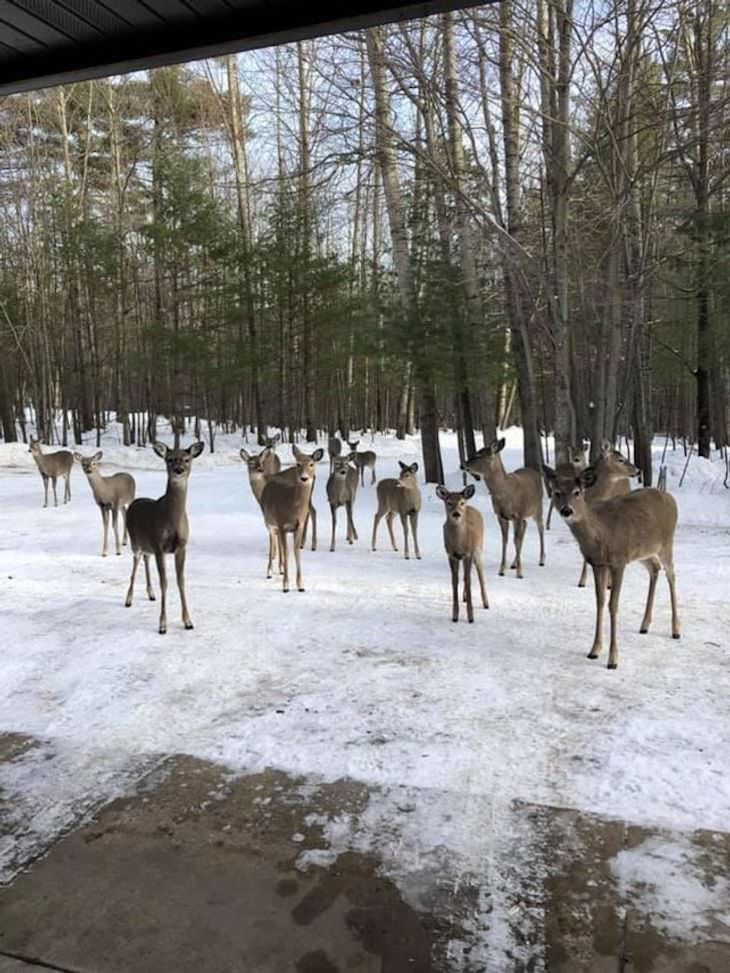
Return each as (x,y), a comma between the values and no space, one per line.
(517,213)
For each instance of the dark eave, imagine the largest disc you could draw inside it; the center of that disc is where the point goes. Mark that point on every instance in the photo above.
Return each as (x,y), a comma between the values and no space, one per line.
(47,42)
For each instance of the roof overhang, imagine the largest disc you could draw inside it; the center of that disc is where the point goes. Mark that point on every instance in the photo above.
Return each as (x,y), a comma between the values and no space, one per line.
(50,42)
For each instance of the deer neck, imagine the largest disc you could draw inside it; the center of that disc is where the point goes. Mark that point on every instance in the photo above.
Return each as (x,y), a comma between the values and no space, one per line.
(495,477)
(588,531)
(174,499)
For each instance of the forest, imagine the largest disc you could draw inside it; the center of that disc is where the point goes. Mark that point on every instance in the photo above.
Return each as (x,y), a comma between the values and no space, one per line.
(514,214)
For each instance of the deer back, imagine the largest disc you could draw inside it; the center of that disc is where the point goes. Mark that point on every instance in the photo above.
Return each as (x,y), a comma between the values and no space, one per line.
(58,463)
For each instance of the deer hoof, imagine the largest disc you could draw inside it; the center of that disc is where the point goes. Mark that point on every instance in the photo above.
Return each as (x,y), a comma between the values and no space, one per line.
(501,574)
(612,665)
(104,554)
(676,636)
(128,603)
(162,631)
(188,626)
(643,631)
(150,597)
(592,655)
(301,589)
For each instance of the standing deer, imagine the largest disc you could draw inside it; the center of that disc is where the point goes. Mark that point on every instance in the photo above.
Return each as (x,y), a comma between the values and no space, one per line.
(612,533)
(286,503)
(515,497)
(341,492)
(464,541)
(260,467)
(334,448)
(613,472)
(578,460)
(401,497)
(160,527)
(364,459)
(51,466)
(111,493)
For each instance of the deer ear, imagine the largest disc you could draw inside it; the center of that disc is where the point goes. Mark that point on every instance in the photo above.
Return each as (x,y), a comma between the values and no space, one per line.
(468,491)
(413,467)
(501,444)
(160,449)
(244,455)
(402,465)
(296,451)
(317,455)
(588,477)
(97,456)
(441,492)
(549,472)
(196,449)
(78,457)
(277,437)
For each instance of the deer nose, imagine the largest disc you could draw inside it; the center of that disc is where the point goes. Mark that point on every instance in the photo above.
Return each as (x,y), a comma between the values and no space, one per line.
(566,511)
(456,515)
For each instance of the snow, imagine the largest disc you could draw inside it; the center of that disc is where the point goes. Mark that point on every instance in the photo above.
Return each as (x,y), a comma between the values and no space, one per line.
(365,676)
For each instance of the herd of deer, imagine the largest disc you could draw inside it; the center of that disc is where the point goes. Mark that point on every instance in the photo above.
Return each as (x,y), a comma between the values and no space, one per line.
(612,524)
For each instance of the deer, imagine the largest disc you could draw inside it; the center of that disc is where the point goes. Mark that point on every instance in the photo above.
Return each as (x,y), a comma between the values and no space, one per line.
(111,493)
(334,448)
(269,442)
(341,492)
(364,459)
(613,472)
(516,497)
(51,466)
(401,497)
(463,541)
(578,460)
(160,527)
(286,504)
(260,467)
(637,526)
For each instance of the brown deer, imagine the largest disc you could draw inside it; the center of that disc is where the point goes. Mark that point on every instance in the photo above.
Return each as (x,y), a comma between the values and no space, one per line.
(111,493)
(578,460)
(260,467)
(286,504)
(464,541)
(515,497)
(638,526)
(160,527)
(365,459)
(613,472)
(341,492)
(401,497)
(51,466)
(334,448)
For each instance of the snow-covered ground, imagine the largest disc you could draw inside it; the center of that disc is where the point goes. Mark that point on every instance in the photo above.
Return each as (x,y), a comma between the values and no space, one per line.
(364,675)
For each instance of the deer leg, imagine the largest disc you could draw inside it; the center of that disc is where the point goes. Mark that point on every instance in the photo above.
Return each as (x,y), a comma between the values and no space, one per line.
(333,509)
(284,556)
(304,532)
(67,488)
(617,576)
(504,527)
(519,532)
(162,572)
(599,579)
(480,574)
(668,564)
(414,531)
(130,590)
(362,476)
(104,531)
(115,528)
(583,573)
(652,566)
(376,520)
(467,588)
(389,522)
(45,489)
(541,533)
(148,578)
(180,574)
(298,560)
(404,525)
(55,496)
(454,565)
(550,513)
(124,515)
(353,531)
(372,475)
(313,516)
